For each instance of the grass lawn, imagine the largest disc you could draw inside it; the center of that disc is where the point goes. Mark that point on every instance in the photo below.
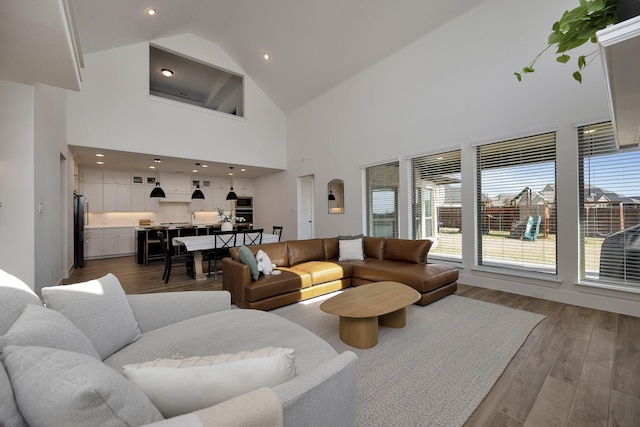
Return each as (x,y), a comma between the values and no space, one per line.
(497,245)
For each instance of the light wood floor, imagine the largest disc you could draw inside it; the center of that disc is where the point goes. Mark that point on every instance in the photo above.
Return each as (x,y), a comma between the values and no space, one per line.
(578,368)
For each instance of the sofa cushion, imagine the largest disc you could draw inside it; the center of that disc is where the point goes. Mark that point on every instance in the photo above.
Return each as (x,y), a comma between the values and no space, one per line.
(331,250)
(323,271)
(100,309)
(350,248)
(374,247)
(249,259)
(413,251)
(228,331)
(421,277)
(14,296)
(9,414)
(43,327)
(60,388)
(181,385)
(288,280)
(305,250)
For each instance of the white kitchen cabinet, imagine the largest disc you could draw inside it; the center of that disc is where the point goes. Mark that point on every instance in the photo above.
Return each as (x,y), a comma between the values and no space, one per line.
(94,196)
(140,200)
(116,197)
(92,175)
(118,241)
(175,182)
(93,243)
(123,198)
(109,242)
(243,187)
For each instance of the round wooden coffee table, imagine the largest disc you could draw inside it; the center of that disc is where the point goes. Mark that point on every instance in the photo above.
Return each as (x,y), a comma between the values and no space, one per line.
(361,309)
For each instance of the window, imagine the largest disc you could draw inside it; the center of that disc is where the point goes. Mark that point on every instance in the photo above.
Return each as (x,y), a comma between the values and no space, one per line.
(436,203)
(381,183)
(609,185)
(516,209)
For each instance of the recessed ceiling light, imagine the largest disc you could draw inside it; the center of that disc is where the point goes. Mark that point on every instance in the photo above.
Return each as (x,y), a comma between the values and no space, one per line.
(243,170)
(151,12)
(99,155)
(152,167)
(100,163)
(266,56)
(205,166)
(194,170)
(230,173)
(166,72)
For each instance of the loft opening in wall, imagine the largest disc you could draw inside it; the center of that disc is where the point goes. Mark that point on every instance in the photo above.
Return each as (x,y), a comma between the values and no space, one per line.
(179,78)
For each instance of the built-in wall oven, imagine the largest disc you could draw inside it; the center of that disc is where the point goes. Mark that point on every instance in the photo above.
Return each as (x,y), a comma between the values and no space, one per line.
(244,209)
(244,203)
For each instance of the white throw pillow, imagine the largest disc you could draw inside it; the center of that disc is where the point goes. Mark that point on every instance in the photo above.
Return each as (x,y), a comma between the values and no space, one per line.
(61,388)
(100,309)
(180,386)
(350,250)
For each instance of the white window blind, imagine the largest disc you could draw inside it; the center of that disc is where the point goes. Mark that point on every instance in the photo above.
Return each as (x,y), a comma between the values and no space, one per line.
(436,203)
(516,210)
(381,183)
(609,181)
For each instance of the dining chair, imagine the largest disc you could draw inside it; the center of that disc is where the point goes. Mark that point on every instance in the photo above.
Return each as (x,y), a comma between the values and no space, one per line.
(252,237)
(222,242)
(277,230)
(169,259)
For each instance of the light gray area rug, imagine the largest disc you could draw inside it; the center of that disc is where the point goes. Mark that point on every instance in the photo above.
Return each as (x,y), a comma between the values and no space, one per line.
(436,370)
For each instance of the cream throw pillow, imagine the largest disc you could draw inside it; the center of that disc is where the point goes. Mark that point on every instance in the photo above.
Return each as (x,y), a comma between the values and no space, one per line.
(180,386)
(350,250)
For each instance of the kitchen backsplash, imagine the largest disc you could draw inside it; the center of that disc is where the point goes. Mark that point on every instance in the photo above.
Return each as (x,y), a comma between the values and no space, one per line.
(168,212)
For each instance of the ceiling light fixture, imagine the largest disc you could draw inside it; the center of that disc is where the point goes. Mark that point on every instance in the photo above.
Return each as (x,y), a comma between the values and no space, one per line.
(157,190)
(197,194)
(231,195)
(266,56)
(100,163)
(166,72)
(151,12)
(99,155)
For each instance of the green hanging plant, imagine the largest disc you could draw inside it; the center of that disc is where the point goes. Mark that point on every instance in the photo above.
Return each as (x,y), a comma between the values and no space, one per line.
(575,28)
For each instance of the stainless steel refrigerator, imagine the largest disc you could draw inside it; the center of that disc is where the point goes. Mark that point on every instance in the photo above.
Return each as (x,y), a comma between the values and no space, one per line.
(78,230)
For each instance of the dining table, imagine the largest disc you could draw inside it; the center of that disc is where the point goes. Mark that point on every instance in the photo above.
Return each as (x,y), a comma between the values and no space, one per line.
(198,244)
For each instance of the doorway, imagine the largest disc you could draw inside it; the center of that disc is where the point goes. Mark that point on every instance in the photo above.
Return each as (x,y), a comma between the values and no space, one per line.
(305,207)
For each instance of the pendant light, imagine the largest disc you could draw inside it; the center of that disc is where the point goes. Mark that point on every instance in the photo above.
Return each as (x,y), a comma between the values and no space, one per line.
(197,194)
(157,190)
(231,195)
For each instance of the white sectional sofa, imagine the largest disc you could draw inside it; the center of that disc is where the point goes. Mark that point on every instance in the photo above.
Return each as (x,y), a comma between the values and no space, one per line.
(62,364)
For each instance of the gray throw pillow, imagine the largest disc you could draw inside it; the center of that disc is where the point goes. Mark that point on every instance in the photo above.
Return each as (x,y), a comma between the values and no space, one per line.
(247,258)
(100,309)
(40,326)
(61,388)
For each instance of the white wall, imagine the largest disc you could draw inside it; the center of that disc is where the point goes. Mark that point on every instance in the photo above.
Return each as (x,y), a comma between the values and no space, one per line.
(114,111)
(17,180)
(53,195)
(454,88)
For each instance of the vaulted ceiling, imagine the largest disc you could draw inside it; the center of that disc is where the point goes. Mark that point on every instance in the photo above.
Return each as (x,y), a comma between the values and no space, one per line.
(314,45)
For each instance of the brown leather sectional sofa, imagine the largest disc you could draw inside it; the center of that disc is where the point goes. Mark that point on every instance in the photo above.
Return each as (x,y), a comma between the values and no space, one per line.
(311,268)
